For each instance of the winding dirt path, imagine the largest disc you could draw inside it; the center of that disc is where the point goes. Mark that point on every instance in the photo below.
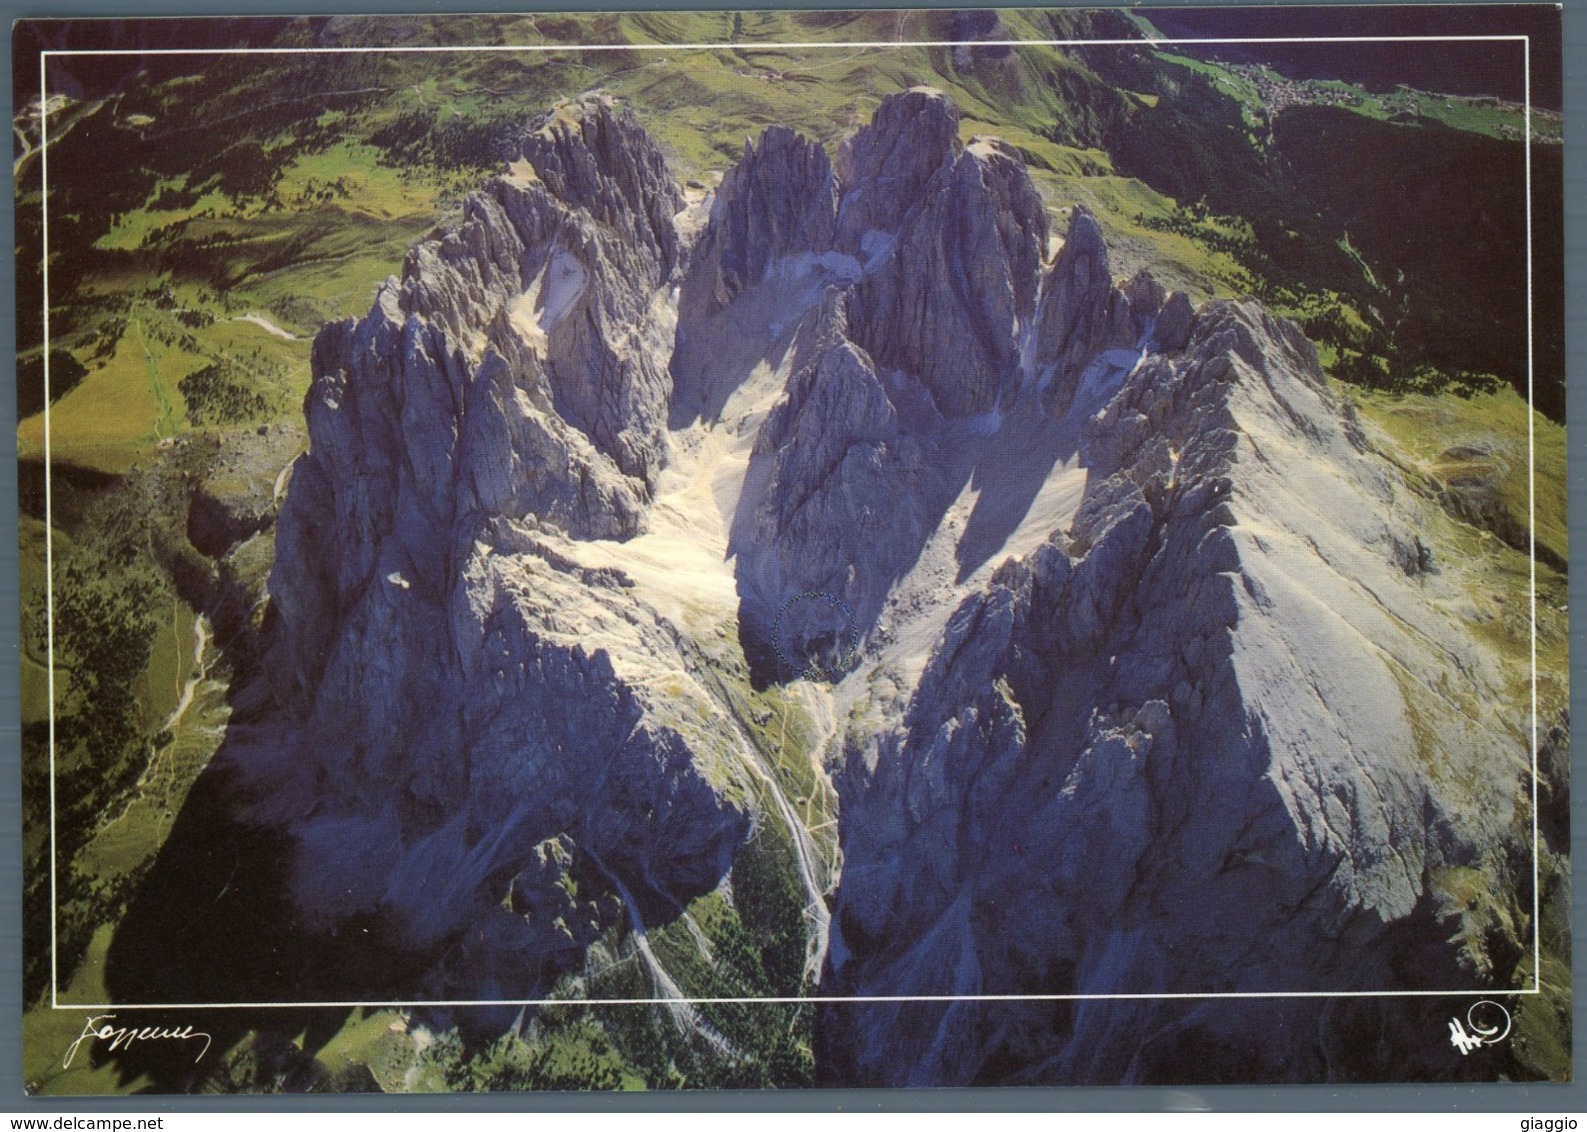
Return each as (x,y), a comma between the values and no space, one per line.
(264,323)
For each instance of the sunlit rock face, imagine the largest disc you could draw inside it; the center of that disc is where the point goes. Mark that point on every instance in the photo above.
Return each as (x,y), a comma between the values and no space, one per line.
(1167,753)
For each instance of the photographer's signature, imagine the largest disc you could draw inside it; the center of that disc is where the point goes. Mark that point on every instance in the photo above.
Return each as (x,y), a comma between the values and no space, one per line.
(101,1027)
(1488,1022)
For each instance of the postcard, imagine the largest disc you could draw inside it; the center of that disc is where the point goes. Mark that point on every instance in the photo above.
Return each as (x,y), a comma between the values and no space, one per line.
(780,549)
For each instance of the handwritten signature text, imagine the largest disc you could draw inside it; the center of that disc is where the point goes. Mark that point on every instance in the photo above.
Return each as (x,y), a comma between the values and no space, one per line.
(101,1027)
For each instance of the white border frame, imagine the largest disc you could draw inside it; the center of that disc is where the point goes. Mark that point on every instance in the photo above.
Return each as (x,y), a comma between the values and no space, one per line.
(44,58)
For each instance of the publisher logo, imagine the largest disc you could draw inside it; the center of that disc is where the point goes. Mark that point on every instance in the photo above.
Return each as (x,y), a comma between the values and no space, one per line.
(1487,1023)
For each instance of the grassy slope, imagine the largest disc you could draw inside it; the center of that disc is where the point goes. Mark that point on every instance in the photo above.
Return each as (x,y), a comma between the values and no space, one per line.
(121,410)
(1439,438)
(1430,432)
(47,1034)
(1435,439)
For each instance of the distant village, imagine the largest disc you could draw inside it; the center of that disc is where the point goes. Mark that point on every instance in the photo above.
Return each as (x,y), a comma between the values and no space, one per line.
(1276,92)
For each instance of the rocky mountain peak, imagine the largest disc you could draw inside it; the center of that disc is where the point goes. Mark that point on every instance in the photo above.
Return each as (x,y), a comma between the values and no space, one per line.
(779,200)
(1076,295)
(1096,608)
(949,304)
(1112,721)
(438,661)
(592,154)
(883,168)
(1083,313)
(1021,221)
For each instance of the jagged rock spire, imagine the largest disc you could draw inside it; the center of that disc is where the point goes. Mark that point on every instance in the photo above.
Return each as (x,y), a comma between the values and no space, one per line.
(883,169)
(779,200)
(1073,323)
(949,302)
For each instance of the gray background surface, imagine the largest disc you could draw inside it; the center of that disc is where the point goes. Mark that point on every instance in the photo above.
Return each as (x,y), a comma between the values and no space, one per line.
(1536,1100)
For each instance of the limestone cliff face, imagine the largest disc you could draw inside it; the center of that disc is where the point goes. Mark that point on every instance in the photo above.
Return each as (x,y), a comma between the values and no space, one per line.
(842,479)
(1083,313)
(517,369)
(936,315)
(1074,318)
(952,299)
(779,201)
(1167,752)
(885,167)
(592,155)
(463,693)
(953,239)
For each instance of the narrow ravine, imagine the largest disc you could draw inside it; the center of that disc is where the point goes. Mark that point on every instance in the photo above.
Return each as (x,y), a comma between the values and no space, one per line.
(816,913)
(167,420)
(185,701)
(683,569)
(684,1015)
(162,756)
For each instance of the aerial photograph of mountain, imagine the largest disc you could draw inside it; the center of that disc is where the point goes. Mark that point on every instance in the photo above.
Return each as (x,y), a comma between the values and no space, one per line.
(784,549)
